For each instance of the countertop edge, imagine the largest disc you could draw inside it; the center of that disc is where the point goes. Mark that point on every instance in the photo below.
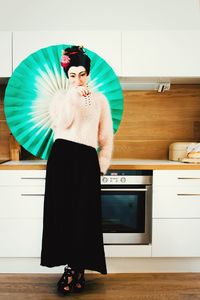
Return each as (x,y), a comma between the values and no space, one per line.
(112,167)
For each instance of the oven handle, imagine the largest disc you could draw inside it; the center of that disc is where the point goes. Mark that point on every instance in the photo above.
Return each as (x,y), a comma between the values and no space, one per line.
(124,190)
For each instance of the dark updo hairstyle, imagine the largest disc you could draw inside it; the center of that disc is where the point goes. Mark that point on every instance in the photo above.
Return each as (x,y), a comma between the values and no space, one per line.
(78,57)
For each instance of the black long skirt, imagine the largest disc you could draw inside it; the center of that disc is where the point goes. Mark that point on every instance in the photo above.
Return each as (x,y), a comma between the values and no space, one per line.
(72,223)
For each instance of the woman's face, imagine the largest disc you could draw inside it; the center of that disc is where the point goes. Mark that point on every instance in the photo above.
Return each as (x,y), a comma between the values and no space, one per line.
(77,76)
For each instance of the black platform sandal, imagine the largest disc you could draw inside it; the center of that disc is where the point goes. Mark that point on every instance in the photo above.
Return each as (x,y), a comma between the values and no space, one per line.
(64,286)
(79,281)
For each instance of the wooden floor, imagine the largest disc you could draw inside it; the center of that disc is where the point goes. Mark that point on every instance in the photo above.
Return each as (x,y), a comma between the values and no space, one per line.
(137,286)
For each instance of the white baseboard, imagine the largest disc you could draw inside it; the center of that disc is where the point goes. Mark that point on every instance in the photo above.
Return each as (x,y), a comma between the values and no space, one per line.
(114,265)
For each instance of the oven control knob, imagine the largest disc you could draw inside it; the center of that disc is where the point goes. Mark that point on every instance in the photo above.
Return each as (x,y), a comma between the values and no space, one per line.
(123,179)
(104,179)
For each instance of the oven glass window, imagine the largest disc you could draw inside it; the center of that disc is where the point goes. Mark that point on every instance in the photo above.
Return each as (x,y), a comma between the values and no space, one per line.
(123,212)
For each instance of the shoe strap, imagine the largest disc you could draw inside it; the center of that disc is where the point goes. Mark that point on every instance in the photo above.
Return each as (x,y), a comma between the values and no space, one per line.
(80,277)
(68,271)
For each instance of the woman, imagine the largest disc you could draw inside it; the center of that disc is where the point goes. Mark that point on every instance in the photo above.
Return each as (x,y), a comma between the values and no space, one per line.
(81,121)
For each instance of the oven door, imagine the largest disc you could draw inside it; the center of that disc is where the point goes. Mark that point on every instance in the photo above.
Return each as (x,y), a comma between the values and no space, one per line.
(125,214)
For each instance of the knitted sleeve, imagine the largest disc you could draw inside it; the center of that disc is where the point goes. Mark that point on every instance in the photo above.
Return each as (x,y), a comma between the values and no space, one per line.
(62,110)
(105,136)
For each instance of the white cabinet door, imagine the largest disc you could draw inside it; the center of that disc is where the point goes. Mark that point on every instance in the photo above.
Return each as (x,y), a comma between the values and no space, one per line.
(22,177)
(176,213)
(5,54)
(161,53)
(176,238)
(20,237)
(21,212)
(107,44)
(189,178)
(181,178)
(176,202)
(21,202)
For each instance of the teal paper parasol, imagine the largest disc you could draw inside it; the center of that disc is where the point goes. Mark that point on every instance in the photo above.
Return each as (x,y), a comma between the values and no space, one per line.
(32,86)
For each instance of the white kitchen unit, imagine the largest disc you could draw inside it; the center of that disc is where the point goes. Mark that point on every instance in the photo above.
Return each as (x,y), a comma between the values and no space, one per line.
(176,213)
(21,216)
(5,54)
(21,212)
(107,44)
(161,53)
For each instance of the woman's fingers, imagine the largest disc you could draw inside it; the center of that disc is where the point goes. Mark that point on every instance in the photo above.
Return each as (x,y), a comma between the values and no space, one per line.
(84,91)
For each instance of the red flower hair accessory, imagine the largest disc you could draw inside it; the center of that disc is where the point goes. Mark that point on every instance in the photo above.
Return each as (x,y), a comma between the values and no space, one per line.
(65,60)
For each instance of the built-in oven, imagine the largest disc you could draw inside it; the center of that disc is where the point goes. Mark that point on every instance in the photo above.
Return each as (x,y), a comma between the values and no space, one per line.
(126,197)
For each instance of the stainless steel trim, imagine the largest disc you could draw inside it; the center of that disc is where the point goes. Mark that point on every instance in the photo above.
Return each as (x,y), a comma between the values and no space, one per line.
(32,195)
(124,179)
(125,238)
(33,178)
(124,190)
(188,178)
(188,194)
(134,238)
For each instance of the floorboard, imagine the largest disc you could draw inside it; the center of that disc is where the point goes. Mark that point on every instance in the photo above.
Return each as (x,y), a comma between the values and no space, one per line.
(137,286)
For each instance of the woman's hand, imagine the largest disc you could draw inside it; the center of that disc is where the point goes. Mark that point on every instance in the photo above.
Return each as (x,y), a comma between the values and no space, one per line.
(83,90)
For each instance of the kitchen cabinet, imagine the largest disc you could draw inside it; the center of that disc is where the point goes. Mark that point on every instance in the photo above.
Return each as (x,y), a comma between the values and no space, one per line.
(144,53)
(176,213)
(176,238)
(21,212)
(107,44)
(21,217)
(161,53)
(5,54)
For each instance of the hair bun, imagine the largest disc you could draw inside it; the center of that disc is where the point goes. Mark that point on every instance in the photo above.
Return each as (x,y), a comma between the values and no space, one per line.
(74,50)
(75,56)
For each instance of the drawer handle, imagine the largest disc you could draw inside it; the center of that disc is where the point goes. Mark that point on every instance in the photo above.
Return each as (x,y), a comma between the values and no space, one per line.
(188,178)
(32,195)
(124,190)
(188,194)
(32,178)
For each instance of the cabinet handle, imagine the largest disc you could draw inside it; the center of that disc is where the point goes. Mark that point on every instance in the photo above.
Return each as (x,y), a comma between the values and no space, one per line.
(124,190)
(189,178)
(32,178)
(32,195)
(188,194)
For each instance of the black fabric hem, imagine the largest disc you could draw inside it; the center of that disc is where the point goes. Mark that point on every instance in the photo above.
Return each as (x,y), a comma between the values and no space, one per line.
(64,264)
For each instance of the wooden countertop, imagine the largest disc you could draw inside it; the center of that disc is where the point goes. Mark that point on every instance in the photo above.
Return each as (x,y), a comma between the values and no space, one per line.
(128,164)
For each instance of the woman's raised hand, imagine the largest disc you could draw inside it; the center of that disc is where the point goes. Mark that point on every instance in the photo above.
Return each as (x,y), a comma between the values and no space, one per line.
(83,90)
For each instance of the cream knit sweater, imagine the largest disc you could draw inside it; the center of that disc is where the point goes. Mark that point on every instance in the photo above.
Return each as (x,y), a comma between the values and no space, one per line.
(86,120)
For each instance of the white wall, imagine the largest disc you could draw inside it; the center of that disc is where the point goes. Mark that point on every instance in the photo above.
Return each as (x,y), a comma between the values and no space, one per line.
(99,14)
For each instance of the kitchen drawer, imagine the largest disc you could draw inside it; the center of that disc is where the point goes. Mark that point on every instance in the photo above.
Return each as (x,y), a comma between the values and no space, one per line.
(22,177)
(176,238)
(176,202)
(176,178)
(21,202)
(20,238)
